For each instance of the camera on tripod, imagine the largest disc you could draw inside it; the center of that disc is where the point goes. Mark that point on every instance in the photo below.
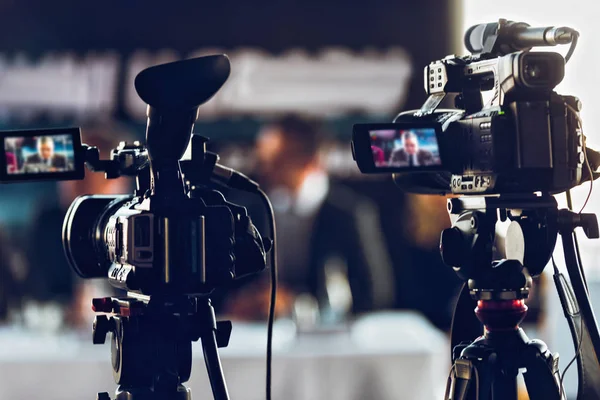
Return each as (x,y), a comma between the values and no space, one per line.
(176,217)
(526,138)
(517,149)
(169,245)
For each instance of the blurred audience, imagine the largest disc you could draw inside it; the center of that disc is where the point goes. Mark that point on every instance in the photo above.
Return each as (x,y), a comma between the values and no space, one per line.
(331,252)
(51,282)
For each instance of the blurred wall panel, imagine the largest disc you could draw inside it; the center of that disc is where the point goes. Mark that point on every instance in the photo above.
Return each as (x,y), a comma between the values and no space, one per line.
(135,33)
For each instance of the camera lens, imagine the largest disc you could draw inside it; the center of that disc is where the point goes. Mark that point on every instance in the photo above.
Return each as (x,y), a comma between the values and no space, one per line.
(536,71)
(83,233)
(533,71)
(541,70)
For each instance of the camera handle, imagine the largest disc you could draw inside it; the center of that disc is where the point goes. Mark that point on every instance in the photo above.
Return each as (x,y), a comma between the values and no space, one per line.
(128,159)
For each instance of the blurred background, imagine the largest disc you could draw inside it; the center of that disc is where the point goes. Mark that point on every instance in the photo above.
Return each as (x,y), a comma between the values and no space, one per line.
(365,304)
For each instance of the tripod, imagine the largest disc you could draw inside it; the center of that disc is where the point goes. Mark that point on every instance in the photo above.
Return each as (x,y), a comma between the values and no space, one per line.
(151,345)
(487,368)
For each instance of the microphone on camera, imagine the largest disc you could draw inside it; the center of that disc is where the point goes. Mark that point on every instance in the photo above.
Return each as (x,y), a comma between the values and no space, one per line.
(512,36)
(210,170)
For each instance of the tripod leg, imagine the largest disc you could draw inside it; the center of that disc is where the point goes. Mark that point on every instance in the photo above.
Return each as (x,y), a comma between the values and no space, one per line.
(460,380)
(208,336)
(213,366)
(505,386)
(472,379)
(542,377)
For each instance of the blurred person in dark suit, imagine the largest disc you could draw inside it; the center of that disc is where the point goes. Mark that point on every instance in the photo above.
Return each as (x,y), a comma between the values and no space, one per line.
(329,238)
(51,279)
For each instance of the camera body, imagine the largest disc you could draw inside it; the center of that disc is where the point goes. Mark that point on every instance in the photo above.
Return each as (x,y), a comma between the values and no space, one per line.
(178,235)
(203,243)
(525,138)
(199,255)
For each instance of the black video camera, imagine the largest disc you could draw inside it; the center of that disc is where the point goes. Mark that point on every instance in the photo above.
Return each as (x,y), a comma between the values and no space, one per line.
(178,234)
(527,138)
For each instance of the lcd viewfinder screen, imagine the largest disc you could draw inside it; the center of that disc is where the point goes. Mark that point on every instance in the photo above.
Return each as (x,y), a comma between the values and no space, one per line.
(46,154)
(405,148)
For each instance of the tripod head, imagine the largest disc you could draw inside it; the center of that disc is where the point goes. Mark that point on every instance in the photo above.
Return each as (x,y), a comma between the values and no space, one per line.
(470,245)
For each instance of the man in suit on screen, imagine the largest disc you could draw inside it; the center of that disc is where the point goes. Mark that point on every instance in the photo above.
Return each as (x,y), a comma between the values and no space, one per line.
(410,155)
(46,160)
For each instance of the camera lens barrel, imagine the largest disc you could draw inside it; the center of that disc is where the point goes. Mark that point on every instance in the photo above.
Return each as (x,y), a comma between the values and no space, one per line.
(83,233)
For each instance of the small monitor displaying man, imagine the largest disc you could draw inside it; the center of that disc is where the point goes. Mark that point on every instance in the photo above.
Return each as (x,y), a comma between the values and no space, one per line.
(39,154)
(405,148)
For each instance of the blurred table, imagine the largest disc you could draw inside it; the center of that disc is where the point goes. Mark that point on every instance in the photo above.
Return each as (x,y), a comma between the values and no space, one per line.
(381,356)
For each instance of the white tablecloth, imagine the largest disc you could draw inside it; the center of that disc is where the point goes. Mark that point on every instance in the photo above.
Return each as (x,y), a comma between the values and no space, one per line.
(384,356)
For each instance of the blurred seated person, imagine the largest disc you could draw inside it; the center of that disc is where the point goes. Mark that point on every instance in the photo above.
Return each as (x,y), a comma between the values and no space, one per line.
(51,279)
(45,159)
(410,155)
(330,245)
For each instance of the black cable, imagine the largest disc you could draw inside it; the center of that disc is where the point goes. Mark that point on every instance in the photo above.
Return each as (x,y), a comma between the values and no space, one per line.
(556,271)
(271,214)
(570,200)
(572,47)
(577,350)
(577,253)
(575,241)
(573,359)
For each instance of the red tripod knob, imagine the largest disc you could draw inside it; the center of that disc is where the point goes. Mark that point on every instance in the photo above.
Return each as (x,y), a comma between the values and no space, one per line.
(499,315)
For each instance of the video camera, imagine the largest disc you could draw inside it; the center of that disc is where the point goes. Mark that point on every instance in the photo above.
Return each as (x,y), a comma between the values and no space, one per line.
(169,245)
(525,139)
(178,234)
(515,151)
